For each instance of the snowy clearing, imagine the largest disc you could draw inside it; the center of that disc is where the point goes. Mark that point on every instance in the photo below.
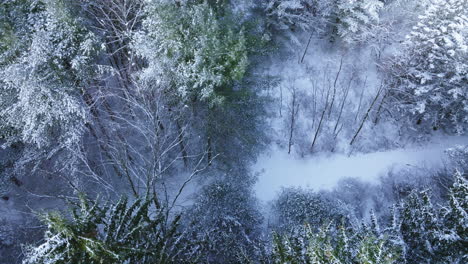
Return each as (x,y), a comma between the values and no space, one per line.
(278,169)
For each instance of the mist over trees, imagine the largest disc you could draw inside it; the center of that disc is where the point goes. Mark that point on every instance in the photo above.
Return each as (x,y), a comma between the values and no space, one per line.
(129,130)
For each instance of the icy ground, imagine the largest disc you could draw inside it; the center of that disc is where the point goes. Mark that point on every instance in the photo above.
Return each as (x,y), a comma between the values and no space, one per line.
(278,169)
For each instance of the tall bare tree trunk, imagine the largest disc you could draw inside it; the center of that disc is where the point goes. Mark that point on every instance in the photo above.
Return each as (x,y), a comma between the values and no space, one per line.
(334,87)
(317,132)
(294,111)
(307,47)
(366,115)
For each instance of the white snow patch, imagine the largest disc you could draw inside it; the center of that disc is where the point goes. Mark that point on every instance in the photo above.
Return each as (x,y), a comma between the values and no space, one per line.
(278,169)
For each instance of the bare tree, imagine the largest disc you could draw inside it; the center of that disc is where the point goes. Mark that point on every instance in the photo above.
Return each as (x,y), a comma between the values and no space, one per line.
(294,110)
(319,126)
(360,100)
(343,102)
(379,109)
(334,86)
(367,114)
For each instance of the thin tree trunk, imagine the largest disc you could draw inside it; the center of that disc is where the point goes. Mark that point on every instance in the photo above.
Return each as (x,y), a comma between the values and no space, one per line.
(209,151)
(294,111)
(318,129)
(379,110)
(366,115)
(342,104)
(281,101)
(317,132)
(360,100)
(307,47)
(334,87)
(314,105)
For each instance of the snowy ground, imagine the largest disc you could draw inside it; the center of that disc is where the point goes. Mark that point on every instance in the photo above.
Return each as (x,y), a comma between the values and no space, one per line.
(278,169)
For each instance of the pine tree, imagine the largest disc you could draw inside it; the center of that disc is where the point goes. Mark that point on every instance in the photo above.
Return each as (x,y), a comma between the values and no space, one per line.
(454,238)
(331,246)
(40,89)
(459,158)
(431,75)
(393,233)
(355,18)
(352,20)
(15,32)
(225,217)
(375,251)
(419,227)
(122,232)
(14,29)
(375,229)
(296,206)
(190,51)
(292,16)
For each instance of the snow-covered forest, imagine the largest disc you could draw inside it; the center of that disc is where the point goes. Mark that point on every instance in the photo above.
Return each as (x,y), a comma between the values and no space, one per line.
(233,131)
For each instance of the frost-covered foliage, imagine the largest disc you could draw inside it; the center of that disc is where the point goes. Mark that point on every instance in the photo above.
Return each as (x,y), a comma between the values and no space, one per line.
(350,20)
(236,130)
(298,15)
(131,96)
(418,226)
(40,90)
(290,14)
(13,28)
(436,232)
(431,75)
(359,196)
(355,18)
(296,206)
(329,245)
(226,218)
(459,158)
(191,51)
(195,57)
(14,33)
(117,233)
(455,222)
(415,231)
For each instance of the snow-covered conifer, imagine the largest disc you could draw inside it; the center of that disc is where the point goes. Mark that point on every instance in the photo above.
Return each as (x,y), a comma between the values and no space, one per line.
(355,18)
(190,52)
(431,75)
(41,89)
